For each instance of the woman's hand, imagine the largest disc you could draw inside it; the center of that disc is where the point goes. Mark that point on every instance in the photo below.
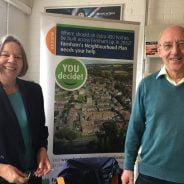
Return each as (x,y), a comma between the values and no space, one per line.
(12,174)
(44,165)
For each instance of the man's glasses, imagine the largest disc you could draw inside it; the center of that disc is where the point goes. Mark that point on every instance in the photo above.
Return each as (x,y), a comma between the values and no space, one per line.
(169,46)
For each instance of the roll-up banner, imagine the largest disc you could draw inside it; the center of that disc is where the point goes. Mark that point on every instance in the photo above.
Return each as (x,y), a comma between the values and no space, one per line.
(87,73)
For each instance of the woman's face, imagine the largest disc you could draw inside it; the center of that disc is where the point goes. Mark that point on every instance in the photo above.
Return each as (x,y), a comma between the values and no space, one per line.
(11,61)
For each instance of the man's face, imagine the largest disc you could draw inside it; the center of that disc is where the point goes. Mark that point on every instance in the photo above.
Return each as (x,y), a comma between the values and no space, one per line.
(171,49)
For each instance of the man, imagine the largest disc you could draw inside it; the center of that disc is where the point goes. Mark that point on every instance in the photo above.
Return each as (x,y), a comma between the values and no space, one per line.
(157,119)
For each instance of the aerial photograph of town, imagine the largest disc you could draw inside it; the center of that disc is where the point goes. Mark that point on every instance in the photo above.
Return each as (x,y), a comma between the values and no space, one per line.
(94,118)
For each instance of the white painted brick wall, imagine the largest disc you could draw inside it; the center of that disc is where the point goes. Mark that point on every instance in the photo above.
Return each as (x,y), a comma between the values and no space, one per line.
(166,12)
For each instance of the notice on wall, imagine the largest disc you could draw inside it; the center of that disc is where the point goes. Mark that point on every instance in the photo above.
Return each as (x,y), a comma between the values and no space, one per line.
(114,12)
(83,41)
(87,75)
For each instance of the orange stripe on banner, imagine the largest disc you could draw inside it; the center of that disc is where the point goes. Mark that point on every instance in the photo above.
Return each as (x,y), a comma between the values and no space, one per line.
(51,40)
(60,180)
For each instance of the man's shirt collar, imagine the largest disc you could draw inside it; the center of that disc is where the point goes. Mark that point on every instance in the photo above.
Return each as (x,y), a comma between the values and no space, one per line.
(164,72)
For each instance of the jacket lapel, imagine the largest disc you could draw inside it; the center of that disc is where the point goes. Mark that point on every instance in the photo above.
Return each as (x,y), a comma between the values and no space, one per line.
(9,119)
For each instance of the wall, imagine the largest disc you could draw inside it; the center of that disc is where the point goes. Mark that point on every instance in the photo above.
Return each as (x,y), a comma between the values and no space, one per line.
(18,25)
(27,2)
(165,12)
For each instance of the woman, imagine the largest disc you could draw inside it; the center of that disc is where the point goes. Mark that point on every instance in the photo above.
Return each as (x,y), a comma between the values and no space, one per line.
(23,134)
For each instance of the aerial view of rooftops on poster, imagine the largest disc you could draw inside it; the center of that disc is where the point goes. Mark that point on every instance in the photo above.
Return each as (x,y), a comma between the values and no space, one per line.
(94,118)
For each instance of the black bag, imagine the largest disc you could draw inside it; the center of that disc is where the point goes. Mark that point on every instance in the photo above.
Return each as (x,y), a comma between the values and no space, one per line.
(97,170)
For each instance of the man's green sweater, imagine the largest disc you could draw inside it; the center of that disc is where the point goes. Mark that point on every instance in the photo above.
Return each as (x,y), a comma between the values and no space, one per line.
(157,125)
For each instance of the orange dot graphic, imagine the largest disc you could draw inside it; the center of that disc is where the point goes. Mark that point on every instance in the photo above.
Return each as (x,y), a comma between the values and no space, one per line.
(51,40)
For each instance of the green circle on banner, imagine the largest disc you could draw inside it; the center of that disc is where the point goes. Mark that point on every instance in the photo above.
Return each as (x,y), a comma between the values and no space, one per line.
(71,74)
